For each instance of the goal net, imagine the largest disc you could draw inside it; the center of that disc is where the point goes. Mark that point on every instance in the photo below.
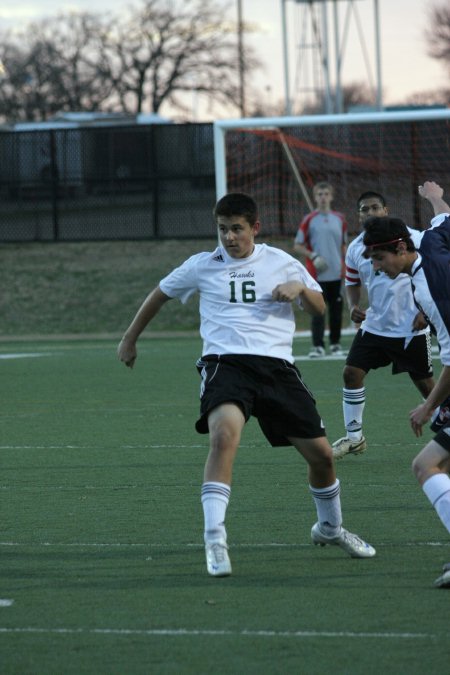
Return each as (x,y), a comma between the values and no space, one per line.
(278,160)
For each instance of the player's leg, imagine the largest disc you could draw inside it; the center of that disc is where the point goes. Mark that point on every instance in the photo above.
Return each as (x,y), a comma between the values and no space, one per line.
(367,352)
(225,405)
(335,308)
(225,424)
(424,385)
(353,403)
(225,427)
(325,490)
(431,468)
(287,414)
(318,332)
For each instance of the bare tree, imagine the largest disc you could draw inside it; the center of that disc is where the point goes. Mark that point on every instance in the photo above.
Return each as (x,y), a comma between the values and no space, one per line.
(430,98)
(62,68)
(438,33)
(134,62)
(14,80)
(163,50)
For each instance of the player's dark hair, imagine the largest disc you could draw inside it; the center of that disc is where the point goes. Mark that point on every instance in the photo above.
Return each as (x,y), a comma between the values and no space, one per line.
(237,204)
(370,195)
(384,233)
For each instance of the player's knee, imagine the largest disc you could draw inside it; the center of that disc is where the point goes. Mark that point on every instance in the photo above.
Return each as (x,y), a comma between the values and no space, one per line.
(419,470)
(322,461)
(353,377)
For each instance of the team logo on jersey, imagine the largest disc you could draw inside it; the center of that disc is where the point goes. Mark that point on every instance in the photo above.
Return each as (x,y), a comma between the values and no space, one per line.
(242,275)
(218,258)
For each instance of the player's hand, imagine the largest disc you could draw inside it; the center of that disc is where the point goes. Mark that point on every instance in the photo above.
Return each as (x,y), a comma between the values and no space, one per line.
(127,352)
(357,315)
(419,322)
(431,190)
(418,417)
(319,263)
(287,292)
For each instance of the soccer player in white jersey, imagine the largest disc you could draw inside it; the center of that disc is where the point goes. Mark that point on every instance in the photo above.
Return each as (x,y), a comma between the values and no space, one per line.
(247,368)
(392,251)
(321,239)
(392,331)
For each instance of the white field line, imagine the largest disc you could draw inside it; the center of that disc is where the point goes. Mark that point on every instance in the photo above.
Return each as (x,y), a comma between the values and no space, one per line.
(24,355)
(170,446)
(105,447)
(273,544)
(182,632)
(145,485)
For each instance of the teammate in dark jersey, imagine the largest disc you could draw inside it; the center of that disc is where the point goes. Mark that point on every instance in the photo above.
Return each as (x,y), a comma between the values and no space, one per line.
(392,251)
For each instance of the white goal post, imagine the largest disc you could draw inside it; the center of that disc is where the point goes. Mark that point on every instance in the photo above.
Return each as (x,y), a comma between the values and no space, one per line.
(278,159)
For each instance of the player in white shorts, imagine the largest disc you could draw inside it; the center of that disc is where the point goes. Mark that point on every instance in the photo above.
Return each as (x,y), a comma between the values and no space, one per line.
(247,326)
(392,331)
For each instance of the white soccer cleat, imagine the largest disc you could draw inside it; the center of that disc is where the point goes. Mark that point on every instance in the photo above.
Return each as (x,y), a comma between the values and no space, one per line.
(350,543)
(444,580)
(217,560)
(347,446)
(317,353)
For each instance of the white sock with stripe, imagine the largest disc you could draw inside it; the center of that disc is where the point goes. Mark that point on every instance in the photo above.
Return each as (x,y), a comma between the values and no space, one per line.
(215,498)
(437,489)
(328,507)
(353,402)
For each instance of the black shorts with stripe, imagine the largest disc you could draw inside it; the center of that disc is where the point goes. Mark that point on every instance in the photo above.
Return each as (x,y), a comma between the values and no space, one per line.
(270,389)
(443,437)
(369,352)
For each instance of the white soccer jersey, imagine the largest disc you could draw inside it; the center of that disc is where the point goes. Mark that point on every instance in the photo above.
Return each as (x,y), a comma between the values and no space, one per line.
(425,300)
(391,309)
(237,313)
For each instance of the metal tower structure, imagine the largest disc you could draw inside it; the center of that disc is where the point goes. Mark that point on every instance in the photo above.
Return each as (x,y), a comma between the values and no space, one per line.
(319,69)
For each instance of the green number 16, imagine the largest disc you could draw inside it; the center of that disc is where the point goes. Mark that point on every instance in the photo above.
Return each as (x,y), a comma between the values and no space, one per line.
(247,290)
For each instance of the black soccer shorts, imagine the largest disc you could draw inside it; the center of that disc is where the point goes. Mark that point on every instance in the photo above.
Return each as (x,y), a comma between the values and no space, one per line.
(443,437)
(270,389)
(369,352)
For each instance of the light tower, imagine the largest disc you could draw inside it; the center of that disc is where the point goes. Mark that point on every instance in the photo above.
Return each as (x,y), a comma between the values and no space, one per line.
(315,62)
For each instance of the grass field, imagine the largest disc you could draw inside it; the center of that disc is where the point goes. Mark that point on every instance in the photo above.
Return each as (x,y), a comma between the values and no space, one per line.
(103,567)
(94,287)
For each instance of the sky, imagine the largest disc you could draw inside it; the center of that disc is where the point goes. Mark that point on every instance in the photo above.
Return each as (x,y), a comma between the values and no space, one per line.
(405,66)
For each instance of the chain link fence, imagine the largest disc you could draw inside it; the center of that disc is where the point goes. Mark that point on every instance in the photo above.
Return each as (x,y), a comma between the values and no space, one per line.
(107,182)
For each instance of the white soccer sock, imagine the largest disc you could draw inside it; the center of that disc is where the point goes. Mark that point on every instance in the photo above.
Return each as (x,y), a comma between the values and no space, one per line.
(215,498)
(328,507)
(437,489)
(353,402)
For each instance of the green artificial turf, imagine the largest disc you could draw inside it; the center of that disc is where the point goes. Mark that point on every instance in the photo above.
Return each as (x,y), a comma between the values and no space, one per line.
(101,528)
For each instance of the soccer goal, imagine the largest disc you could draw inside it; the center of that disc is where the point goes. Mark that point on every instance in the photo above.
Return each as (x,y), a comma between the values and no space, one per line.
(278,160)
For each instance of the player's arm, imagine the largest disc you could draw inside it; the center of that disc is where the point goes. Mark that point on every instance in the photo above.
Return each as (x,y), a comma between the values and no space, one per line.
(126,350)
(319,263)
(303,251)
(423,412)
(312,301)
(344,245)
(434,194)
(353,293)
